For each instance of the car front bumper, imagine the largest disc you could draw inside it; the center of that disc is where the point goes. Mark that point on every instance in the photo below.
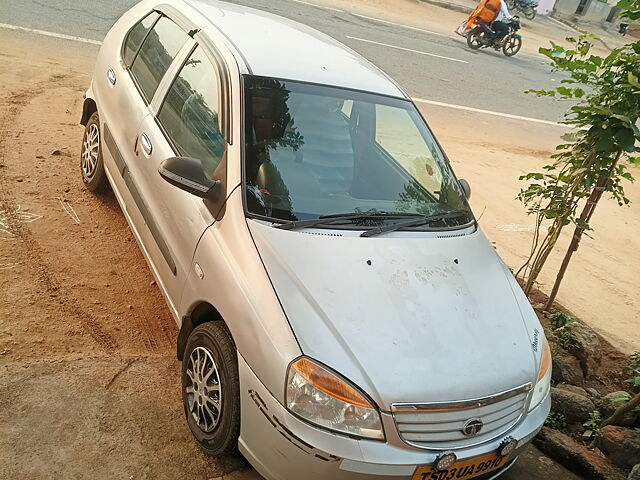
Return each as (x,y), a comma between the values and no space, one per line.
(282,447)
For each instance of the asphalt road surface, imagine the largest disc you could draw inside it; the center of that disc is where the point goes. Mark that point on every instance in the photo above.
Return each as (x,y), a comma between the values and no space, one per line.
(427,65)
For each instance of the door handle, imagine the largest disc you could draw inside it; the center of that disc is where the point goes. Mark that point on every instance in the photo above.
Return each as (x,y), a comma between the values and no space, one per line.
(111,75)
(146,144)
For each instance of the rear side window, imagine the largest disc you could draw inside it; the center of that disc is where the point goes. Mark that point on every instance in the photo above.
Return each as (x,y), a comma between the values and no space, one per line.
(190,112)
(156,54)
(136,36)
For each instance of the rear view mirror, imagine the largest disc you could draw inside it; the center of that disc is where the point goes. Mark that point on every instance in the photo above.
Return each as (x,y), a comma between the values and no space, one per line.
(187,174)
(466,188)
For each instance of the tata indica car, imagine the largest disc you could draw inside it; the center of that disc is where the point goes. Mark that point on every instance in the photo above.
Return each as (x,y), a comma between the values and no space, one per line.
(341,314)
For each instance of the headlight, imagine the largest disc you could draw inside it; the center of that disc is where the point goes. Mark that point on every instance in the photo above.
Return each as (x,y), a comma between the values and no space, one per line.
(543,383)
(324,399)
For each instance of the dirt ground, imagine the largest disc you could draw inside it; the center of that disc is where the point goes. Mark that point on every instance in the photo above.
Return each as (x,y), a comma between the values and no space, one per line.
(88,377)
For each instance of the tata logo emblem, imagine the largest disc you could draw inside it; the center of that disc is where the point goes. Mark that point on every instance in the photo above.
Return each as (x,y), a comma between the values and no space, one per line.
(472,427)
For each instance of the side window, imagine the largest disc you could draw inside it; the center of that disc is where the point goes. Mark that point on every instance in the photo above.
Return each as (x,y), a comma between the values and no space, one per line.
(156,54)
(189,113)
(136,35)
(398,135)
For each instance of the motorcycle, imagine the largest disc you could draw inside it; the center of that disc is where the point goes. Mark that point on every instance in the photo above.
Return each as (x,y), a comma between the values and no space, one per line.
(482,36)
(527,7)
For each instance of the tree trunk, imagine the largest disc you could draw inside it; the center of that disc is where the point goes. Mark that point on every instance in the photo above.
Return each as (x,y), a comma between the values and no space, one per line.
(549,241)
(621,410)
(585,216)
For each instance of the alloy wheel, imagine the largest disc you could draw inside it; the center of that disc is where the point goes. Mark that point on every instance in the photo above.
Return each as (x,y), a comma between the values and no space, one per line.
(203,389)
(90,151)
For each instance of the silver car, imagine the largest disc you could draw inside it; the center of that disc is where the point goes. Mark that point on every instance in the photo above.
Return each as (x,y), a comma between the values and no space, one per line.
(341,314)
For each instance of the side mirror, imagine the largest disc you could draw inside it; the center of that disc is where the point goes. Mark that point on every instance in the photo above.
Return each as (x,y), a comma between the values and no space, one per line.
(466,188)
(187,174)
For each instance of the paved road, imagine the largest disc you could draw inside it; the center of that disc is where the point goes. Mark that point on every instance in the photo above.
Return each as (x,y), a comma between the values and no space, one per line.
(485,80)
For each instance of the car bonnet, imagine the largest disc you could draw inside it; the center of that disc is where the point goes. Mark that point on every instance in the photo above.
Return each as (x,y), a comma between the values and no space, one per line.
(404,317)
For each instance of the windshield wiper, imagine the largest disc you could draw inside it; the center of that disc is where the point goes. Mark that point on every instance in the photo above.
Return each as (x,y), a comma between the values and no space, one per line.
(339,217)
(424,219)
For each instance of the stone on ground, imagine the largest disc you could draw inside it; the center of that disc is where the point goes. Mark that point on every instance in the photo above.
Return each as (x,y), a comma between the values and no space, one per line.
(587,346)
(621,445)
(610,404)
(589,463)
(567,369)
(575,407)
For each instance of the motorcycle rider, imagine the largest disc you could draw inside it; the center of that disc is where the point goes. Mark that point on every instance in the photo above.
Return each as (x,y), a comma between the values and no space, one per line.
(491,12)
(500,25)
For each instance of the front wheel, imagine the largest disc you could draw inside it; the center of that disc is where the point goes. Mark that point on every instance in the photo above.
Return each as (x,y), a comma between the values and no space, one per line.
(211,388)
(512,45)
(530,13)
(474,40)
(511,4)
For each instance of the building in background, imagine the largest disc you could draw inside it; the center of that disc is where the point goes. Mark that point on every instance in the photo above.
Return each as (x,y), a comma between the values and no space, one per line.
(589,11)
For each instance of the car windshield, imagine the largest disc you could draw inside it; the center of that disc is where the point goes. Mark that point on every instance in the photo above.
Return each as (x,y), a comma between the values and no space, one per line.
(313,151)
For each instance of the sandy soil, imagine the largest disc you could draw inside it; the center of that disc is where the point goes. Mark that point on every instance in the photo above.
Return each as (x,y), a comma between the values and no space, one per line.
(600,286)
(88,375)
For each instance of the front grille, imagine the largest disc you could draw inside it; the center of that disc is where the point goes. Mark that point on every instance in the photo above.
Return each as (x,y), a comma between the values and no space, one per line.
(439,425)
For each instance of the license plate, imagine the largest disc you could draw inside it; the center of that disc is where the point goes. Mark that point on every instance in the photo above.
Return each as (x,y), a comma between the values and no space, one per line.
(463,469)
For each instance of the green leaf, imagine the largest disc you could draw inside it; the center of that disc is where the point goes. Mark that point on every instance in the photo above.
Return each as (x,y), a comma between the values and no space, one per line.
(582,225)
(633,80)
(626,139)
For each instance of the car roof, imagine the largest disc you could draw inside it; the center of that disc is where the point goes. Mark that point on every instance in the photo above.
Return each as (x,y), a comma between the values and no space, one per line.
(273,46)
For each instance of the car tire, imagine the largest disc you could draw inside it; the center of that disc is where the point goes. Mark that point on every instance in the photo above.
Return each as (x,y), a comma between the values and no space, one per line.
(211,388)
(91,164)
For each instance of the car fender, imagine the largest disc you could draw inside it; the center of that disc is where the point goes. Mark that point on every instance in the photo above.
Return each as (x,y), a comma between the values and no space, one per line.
(228,274)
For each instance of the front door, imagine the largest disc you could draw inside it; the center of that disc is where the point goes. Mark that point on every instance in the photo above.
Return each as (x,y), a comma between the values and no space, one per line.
(187,124)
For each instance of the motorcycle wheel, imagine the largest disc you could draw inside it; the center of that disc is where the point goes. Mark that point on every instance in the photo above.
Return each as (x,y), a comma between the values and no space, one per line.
(511,4)
(512,45)
(473,39)
(530,13)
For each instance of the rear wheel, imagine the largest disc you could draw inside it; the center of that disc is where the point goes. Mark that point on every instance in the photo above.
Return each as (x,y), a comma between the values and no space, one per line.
(530,13)
(512,46)
(211,388)
(474,39)
(91,164)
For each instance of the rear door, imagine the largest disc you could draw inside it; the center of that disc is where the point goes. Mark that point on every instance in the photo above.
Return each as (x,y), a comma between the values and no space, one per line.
(190,122)
(151,50)
(120,102)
